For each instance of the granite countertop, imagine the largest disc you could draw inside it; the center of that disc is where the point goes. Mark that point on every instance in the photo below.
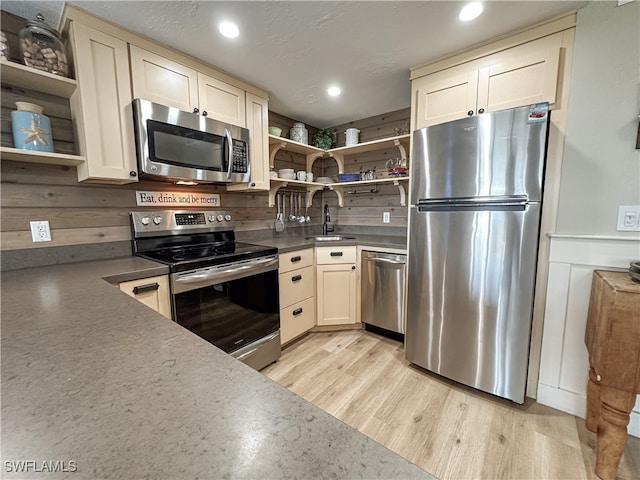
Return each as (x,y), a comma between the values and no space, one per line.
(93,379)
(287,243)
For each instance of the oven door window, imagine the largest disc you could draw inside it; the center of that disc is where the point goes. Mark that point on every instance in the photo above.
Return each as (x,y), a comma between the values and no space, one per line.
(185,147)
(232,314)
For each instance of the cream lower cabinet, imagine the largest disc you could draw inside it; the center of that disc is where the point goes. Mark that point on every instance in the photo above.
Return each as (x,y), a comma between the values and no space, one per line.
(297,294)
(517,76)
(152,291)
(336,291)
(101,106)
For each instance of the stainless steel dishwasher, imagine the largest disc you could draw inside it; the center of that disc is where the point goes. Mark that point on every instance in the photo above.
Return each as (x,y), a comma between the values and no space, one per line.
(383,290)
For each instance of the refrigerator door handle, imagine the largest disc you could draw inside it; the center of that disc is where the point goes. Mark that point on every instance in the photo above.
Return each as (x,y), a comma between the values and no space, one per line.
(467,201)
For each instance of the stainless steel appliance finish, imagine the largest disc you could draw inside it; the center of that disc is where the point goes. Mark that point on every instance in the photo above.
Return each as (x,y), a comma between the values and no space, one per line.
(476,188)
(173,145)
(383,290)
(223,291)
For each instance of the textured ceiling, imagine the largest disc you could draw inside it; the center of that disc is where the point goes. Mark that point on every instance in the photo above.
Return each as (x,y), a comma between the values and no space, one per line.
(295,50)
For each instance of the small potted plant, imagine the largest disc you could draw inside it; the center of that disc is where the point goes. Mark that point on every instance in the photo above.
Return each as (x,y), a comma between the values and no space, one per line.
(323,139)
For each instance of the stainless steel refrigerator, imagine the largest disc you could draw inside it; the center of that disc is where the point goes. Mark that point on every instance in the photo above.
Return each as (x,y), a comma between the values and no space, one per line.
(476,192)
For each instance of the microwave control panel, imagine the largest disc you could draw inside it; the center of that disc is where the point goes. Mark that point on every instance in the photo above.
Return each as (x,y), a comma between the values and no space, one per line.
(240,157)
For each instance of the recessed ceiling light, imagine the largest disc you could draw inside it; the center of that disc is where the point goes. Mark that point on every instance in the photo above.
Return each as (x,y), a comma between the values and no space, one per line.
(471,11)
(334,91)
(229,30)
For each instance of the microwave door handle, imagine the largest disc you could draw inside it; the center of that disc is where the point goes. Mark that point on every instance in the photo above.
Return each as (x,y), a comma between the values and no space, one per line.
(227,134)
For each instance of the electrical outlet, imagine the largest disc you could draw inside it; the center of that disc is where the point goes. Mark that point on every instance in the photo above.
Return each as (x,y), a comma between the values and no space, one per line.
(40,231)
(629,218)
(386,217)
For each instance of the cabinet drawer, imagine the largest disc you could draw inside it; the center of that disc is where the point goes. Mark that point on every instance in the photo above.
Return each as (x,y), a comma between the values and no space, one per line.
(298,259)
(152,291)
(296,285)
(335,255)
(297,319)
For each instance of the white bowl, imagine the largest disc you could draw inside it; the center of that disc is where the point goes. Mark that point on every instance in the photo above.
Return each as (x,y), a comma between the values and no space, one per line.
(285,171)
(287,176)
(324,180)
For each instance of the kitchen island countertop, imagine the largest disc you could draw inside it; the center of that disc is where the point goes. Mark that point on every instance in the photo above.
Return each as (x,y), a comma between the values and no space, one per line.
(98,382)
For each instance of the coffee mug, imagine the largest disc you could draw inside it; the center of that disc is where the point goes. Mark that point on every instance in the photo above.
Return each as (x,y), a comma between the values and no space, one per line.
(302,175)
(309,177)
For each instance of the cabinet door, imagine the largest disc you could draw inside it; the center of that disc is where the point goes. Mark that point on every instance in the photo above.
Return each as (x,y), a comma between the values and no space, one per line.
(101,107)
(258,125)
(221,101)
(336,294)
(152,291)
(163,81)
(444,96)
(519,80)
(297,319)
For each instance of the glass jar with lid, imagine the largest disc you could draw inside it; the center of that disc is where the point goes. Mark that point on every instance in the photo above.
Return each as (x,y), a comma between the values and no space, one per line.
(41,48)
(299,133)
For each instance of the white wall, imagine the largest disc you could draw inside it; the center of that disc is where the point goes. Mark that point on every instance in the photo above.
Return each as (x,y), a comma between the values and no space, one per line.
(600,166)
(600,170)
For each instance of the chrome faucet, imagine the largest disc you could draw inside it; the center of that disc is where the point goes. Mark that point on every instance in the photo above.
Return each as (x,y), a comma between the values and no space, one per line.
(325,222)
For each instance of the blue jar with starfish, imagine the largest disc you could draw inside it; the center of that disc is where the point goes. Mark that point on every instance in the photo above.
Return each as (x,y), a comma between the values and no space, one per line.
(31,129)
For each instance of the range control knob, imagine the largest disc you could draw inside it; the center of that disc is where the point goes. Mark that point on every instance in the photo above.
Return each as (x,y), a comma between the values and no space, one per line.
(227,217)
(145,220)
(220,218)
(212,218)
(157,220)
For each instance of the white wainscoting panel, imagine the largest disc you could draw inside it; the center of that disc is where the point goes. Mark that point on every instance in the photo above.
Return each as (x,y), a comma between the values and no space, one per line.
(564,361)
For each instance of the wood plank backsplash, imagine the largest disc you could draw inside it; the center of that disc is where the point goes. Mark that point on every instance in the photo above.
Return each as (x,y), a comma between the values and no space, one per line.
(88,213)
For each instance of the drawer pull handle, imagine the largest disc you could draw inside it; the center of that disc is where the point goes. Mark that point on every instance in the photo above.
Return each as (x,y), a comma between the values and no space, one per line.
(150,287)
(296,259)
(336,254)
(296,278)
(297,312)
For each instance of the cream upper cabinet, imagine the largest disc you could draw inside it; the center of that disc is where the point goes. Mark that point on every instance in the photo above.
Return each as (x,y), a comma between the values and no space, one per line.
(221,101)
(258,124)
(445,96)
(170,83)
(160,80)
(101,106)
(514,77)
(519,79)
(336,280)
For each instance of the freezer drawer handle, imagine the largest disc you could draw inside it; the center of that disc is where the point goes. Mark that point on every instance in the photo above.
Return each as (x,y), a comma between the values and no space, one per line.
(336,254)
(297,312)
(296,278)
(295,259)
(150,287)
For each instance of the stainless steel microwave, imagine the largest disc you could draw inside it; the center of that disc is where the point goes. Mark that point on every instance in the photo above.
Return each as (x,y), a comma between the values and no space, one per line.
(178,146)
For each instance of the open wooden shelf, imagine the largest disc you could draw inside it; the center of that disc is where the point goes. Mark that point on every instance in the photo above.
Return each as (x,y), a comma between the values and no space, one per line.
(31,156)
(26,77)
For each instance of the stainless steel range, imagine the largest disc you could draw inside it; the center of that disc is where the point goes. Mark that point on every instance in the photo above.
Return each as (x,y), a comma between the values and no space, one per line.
(223,291)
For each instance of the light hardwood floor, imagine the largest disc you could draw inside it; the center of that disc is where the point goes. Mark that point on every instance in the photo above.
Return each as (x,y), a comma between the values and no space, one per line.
(451,431)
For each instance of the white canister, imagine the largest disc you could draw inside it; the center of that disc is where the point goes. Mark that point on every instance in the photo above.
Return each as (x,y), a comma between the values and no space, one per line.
(352,136)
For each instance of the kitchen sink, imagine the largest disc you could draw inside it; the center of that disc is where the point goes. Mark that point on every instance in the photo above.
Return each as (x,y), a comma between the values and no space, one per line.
(329,238)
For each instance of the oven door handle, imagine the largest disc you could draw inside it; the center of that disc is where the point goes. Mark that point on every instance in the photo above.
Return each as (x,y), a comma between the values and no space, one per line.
(223,274)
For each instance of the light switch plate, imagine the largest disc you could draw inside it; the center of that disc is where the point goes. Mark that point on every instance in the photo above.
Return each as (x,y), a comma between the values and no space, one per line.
(40,231)
(386,217)
(629,218)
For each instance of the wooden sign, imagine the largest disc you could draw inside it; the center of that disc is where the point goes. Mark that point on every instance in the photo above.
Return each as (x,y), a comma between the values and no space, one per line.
(176,199)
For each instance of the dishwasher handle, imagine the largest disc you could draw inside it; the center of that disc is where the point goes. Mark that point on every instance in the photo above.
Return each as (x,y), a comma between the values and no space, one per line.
(385,260)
